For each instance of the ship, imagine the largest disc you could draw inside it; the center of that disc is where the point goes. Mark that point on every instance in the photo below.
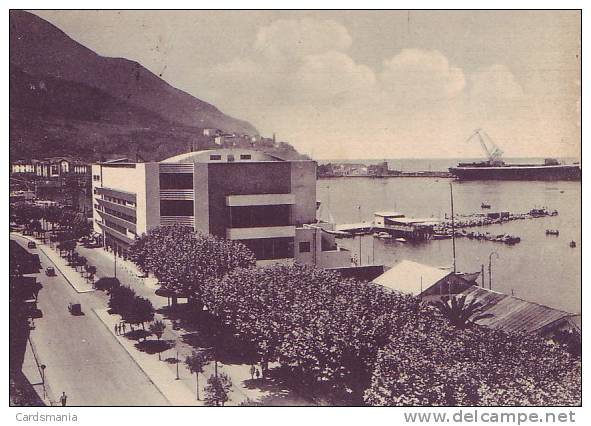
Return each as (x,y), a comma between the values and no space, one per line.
(494,168)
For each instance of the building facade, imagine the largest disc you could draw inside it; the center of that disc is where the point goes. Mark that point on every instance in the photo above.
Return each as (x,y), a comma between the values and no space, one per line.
(264,202)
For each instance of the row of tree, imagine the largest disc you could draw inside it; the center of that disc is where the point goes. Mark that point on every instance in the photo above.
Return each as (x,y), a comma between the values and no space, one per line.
(356,341)
(183,260)
(134,310)
(69,221)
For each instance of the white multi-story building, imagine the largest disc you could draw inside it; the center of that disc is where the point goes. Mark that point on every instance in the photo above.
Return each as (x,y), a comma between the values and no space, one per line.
(265,202)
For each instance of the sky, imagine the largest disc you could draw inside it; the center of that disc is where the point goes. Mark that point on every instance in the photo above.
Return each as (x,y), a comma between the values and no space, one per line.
(365,84)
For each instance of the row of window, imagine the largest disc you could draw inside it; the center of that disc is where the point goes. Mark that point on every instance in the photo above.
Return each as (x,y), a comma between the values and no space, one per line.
(119,201)
(116,227)
(217,157)
(120,215)
(96,177)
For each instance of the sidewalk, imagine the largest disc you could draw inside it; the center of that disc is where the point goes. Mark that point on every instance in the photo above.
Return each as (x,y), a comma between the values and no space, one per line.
(160,372)
(80,284)
(177,392)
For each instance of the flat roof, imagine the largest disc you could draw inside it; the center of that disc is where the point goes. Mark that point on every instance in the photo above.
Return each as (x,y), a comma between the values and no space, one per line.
(389,214)
(411,277)
(409,220)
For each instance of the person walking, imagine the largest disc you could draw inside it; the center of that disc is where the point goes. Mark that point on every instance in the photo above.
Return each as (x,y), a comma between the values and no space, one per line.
(257,373)
(116,328)
(252,371)
(123,325)
(63,399)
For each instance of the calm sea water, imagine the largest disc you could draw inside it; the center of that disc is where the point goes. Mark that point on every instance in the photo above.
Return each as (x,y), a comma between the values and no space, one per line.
(540,268)
(438,164)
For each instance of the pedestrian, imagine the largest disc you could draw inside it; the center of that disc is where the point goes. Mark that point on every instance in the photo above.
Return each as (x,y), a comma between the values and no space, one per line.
(123,325)
(116,328)
(252,370)
(257,373)
(63,399)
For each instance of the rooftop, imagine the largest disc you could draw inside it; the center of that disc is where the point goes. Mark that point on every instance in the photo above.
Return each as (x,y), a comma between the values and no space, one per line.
(511,313)
(239,155)
(411,277)
(389,214)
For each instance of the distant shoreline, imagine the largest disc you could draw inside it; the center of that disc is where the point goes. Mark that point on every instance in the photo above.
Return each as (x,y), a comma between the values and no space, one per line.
(442,175)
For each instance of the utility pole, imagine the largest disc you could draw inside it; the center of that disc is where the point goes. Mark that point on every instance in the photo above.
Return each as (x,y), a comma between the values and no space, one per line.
(482,275)
(453,227)
(115,260)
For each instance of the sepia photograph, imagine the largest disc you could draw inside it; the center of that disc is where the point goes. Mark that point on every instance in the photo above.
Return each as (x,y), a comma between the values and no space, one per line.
(295,208)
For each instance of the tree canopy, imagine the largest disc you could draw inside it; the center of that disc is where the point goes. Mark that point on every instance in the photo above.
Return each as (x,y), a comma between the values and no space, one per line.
(182,260)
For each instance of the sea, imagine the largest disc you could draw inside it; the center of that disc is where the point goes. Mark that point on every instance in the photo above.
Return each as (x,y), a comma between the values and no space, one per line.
(542,269)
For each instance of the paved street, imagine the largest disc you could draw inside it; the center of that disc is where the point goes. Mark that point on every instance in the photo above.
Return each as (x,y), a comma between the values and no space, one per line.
(82,357)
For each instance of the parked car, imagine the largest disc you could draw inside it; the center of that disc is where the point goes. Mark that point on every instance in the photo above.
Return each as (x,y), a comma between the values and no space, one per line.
(50,271)
(31,245)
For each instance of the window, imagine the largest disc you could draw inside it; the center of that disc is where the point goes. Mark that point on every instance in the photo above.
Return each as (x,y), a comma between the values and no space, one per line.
(245,156)
(305,247)
(176,180)
(215,157)
(260,216)
(176,208)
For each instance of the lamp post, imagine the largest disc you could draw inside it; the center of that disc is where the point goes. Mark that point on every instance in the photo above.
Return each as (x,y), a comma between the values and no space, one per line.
(490,268)
(43,367)
(177,363)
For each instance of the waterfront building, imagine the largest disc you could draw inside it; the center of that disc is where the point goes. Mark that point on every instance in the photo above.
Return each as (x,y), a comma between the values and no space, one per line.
(421,280)
(267,203)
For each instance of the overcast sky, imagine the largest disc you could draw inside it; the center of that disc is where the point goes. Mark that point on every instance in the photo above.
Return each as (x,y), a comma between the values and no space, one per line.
(379,84)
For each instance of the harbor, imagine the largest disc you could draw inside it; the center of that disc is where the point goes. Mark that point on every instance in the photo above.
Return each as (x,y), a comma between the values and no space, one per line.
(541,268)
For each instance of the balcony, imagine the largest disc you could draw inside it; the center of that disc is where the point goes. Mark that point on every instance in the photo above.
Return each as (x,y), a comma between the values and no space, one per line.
(260,232)
(177,220)
(259,200)
(127,238)
(118,221)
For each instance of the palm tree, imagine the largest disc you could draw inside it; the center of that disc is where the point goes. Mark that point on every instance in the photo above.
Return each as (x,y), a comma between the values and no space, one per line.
(195,363)
(460,313)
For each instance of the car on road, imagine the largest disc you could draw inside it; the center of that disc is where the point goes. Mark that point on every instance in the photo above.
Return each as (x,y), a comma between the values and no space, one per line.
(50,271)
(75,308)
(31,245)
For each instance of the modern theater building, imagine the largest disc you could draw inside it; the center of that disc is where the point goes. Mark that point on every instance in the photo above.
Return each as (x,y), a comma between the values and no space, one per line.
(267,203)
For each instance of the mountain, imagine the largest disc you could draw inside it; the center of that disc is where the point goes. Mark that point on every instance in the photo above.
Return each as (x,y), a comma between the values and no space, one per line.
(66,99)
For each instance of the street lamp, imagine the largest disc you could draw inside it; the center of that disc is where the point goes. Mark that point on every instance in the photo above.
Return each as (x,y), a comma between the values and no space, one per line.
(490,268)
(177,363)
(43,367)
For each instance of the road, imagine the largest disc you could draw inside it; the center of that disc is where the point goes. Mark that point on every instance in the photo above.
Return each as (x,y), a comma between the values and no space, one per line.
(82,357)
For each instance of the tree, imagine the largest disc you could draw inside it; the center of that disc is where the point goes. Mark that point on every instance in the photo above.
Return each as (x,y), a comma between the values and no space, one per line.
(439,364)
(90,271)
(157,329)
(184,260)
(121,300)
(140,312)
(325,330)
(460,313)
(107,283)
(217,389)
(195,363)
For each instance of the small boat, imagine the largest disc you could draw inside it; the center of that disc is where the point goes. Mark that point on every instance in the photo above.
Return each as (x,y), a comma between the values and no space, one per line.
(441,237)
(552,232)
(401,240)
(382,235)
(485,205)
(572,244)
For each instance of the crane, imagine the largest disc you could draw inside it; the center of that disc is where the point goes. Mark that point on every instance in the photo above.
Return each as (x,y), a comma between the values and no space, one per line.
(493,153)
